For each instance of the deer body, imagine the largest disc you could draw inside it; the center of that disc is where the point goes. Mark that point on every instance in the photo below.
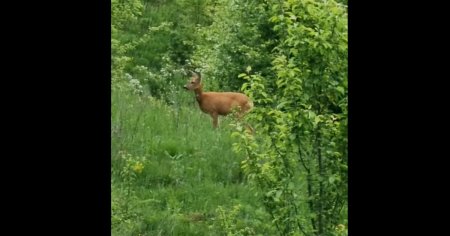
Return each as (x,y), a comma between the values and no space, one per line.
(218,103)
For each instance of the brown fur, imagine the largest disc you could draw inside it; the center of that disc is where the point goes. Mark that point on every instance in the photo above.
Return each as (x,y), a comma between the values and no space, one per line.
(218,103)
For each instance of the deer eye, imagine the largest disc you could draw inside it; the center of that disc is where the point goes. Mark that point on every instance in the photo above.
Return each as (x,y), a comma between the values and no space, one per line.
(192,82)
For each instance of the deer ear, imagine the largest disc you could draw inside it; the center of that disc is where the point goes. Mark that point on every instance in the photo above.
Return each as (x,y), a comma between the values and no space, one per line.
(197,76)
(194,74)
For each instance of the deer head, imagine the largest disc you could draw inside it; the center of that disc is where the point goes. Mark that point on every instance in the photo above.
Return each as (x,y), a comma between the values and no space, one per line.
(194,82)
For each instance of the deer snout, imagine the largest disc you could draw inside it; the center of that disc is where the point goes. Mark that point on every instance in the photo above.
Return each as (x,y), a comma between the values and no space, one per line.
(185,87)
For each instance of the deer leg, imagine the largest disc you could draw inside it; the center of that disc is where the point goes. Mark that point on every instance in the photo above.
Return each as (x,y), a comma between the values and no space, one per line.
(239,115)
(215,119)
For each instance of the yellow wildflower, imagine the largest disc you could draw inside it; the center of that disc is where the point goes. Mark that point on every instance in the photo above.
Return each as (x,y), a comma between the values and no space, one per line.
(138,167)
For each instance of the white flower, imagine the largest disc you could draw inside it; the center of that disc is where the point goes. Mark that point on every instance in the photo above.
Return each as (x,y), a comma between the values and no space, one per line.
(128,76)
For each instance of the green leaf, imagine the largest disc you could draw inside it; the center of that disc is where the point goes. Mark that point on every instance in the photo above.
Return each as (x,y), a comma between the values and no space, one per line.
(311,115)
(259,117)
(274,19)
(291,186)
(281,104)
(317,119)
(278,195)
(242,75)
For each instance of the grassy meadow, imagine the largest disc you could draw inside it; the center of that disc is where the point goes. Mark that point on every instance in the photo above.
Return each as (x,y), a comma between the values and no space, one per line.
(173,174)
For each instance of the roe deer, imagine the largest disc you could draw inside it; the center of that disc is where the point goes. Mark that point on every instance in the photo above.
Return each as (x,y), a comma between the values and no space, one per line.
(218,103)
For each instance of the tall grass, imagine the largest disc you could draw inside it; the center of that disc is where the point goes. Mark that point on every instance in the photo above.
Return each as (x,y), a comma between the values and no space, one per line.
(172,173)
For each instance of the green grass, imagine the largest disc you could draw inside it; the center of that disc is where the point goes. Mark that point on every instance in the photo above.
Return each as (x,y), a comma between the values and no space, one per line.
(189,170)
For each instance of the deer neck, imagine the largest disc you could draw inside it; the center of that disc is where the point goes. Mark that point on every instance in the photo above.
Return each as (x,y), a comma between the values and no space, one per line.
(198,94)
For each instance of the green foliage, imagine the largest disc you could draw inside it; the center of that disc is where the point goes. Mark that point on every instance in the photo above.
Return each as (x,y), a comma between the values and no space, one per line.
(123,13)
(298,156)
(233,42)
(152,42)
(229,223)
